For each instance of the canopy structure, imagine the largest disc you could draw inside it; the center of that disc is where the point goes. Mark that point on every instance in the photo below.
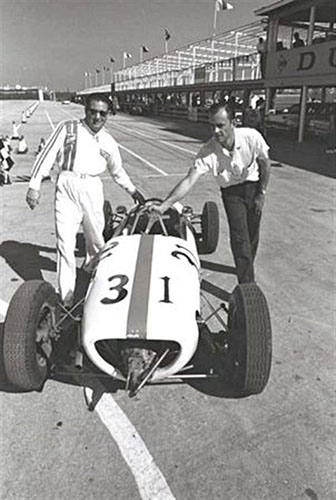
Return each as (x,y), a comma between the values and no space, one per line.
(233,44)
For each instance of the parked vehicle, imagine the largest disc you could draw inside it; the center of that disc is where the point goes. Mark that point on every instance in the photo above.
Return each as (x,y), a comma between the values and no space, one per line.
(320,119)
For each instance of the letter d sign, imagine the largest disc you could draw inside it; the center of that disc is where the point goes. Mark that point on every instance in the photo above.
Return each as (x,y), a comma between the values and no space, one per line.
(307,61)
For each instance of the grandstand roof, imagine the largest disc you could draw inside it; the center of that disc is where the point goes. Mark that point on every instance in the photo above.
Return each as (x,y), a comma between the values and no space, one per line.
(234,43)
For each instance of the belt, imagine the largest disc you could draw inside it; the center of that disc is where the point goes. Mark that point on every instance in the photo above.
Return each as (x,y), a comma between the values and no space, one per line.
(78,174)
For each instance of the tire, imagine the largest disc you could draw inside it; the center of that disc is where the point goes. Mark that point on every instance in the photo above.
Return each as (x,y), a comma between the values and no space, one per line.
(108,216)
(249,340)
(210,227)
(30,315)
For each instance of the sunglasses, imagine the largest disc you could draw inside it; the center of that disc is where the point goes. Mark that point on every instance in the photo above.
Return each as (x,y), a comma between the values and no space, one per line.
(96,112)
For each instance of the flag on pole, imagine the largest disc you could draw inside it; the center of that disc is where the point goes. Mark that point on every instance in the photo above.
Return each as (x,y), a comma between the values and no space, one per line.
(167,35)
(145,49)
(112,60)
(223,5)
(127,55)
(97,70)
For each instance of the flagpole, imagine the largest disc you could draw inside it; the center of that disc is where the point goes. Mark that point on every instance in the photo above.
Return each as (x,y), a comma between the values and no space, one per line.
(124,60)
(215,20)
(141,52)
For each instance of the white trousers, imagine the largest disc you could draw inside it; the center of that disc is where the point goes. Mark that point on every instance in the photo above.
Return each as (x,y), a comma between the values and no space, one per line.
(79,200)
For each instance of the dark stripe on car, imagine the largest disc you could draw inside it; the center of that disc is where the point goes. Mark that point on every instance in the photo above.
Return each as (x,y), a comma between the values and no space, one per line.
(138,309)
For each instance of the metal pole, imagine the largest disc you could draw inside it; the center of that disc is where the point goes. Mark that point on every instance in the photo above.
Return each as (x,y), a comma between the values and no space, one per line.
(215,21)
(304,92)
(303,106)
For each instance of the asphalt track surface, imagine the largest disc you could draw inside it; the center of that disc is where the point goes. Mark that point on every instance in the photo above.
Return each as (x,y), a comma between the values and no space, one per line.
(177,442)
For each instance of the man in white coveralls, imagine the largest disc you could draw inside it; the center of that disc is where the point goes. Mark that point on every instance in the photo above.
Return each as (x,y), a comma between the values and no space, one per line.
(83,150)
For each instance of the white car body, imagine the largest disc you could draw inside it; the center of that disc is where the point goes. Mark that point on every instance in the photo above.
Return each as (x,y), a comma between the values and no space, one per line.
(144,287)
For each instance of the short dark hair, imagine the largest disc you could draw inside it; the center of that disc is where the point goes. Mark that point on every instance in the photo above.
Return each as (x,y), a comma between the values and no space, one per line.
(97,97)
(222,105)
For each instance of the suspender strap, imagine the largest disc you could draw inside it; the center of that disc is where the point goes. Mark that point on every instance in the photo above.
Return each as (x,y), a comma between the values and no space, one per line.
(70,145)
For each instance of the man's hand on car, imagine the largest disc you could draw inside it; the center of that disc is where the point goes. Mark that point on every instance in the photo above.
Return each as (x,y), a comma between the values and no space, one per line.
(138,197)
(33,197)
(159,207)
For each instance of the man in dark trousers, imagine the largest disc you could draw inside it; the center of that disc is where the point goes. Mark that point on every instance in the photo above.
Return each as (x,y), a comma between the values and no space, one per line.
(83,150)
(238,159)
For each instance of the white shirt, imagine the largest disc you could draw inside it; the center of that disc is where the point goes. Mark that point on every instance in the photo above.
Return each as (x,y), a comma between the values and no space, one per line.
(94,152)
(236,166)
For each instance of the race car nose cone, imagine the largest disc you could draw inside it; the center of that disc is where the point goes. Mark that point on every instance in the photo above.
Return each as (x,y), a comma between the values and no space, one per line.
(138,363)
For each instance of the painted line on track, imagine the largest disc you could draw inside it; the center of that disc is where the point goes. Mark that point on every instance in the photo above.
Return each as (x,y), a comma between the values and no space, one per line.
(151,483)
(178,147)
(167,143)
(149,164)
(150,480)
(49,120)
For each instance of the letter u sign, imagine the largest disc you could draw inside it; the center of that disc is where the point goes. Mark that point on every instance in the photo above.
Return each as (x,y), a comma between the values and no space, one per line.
(332,57)
(307,61)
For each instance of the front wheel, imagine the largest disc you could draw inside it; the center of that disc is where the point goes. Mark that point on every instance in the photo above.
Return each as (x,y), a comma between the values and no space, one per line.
(28,334)
(249,340)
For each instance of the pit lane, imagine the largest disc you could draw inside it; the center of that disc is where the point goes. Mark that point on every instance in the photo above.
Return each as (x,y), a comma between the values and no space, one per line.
(277,445)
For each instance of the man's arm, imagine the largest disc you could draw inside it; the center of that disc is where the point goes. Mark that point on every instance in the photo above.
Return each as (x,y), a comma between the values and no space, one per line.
(179,191)
(264,165)
(120,176)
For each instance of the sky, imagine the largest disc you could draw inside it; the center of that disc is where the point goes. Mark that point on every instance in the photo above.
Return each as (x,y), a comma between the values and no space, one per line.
(54,42)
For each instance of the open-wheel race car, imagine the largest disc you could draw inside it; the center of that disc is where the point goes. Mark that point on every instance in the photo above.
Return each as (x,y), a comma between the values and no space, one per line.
(140,321)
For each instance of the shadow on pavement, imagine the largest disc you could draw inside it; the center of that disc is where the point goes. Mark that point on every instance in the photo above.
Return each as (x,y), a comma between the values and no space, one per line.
(214,290)
(218,268)
(311,155)
(25,259)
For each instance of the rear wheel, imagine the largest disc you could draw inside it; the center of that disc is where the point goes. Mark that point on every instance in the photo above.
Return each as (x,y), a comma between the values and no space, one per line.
(249,340)
(28,334)
(210,227)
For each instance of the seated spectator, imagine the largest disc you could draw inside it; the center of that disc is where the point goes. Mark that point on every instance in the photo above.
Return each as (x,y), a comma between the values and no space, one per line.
(280,46)
(298,42)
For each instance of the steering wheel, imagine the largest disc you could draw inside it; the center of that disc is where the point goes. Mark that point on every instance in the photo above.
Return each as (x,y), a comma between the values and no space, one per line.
(153,216)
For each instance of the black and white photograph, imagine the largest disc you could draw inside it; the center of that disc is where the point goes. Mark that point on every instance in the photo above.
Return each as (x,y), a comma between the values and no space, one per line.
(167,249)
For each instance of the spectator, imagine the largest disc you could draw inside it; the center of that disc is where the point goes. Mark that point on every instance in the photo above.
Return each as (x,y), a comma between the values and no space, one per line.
(251,118)
(15,133)
(298,42)
(6,163)
(280,46)
(261,48)
(40,146)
